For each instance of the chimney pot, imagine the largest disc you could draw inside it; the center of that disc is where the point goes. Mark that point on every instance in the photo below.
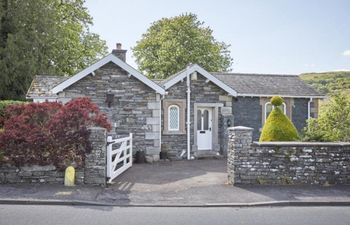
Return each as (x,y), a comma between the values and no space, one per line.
(119,52)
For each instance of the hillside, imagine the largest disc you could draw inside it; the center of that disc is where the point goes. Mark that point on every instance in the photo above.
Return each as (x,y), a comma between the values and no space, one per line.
(328,82)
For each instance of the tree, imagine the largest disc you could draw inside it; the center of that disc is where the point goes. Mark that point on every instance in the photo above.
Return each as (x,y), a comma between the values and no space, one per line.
(43,37)
(170,44)
(333,122)
(278,127)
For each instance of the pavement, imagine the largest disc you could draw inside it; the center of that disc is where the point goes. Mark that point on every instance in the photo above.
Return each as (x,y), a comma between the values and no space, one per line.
(176,183)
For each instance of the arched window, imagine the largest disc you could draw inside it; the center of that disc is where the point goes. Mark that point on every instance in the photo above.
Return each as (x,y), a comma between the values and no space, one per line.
(269,107)
(174,118)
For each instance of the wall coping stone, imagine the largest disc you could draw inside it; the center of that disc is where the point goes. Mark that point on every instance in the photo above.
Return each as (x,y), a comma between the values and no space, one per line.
(298,143)
(240,128)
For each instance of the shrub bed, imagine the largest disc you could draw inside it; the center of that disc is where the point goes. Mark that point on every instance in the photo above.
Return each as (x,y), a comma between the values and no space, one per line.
(49,133)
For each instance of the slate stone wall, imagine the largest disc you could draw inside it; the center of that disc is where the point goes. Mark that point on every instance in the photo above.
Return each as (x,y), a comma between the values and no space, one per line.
(300,113)
(285,163)
(201,92)
(135,108)
(95,161)
(35,174)
(94,171)
(247,111)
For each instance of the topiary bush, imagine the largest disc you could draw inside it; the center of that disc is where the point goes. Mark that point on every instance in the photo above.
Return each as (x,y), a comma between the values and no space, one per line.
(278,127)
(49,133)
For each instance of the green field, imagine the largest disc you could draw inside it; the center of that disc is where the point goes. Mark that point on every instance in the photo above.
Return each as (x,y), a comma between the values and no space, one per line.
(328,82)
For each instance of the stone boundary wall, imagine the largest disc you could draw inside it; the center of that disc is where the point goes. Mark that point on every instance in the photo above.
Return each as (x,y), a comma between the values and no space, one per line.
(94,171)
(285,162)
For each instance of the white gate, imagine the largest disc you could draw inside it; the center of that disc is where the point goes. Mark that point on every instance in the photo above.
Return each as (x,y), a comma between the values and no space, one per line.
(119,156)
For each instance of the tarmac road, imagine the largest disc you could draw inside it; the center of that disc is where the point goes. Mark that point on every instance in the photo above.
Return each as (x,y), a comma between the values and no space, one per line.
(51,214)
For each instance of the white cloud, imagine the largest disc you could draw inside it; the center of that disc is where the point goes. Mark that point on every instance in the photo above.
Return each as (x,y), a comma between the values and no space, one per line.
(346,52)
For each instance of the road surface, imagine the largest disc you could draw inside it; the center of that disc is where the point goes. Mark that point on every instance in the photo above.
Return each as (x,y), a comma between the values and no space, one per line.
(52,215)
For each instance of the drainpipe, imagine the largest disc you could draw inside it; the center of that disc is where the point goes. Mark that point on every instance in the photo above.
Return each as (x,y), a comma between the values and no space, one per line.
(161,97)
(188,123)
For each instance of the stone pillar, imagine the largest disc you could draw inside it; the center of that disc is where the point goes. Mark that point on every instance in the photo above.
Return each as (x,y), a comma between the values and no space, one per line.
(95,161)
(226,122)
(239,143)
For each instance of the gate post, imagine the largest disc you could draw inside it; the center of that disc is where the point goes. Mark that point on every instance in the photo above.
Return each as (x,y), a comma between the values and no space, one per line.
(95,161)
(239,143)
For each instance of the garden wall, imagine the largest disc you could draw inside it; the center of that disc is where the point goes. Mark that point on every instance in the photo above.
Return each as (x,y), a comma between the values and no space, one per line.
(94,171)
(285,162)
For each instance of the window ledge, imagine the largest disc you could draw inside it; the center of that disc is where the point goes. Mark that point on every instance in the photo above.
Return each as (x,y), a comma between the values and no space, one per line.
(173,132)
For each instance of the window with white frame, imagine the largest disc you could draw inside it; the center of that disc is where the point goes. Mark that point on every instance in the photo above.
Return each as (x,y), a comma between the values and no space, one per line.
(269,107)
(174,118)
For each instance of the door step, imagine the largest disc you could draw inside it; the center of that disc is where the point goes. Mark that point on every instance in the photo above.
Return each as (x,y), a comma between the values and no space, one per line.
(208,154)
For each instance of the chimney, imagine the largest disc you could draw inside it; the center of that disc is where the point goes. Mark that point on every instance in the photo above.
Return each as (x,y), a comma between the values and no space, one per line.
(119,52)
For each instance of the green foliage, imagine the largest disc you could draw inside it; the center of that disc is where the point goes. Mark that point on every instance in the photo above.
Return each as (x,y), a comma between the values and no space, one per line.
(278,127)
(329,82)
(333,122)
(170,44)
(43,37)
(277,100)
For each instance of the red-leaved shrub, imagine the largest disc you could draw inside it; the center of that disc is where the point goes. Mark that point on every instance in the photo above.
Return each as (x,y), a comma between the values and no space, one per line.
(49,133)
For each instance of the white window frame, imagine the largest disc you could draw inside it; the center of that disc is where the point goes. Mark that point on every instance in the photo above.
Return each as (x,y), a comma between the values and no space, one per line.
(284,108)
(178,118)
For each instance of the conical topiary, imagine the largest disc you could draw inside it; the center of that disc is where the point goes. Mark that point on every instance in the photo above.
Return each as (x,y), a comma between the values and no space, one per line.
(278,127)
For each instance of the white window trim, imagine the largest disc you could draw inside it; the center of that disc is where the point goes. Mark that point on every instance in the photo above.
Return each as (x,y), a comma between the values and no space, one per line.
(178,118)
(284,108)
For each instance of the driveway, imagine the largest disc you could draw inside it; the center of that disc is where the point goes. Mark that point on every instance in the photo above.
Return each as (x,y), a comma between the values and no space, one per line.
(173,176)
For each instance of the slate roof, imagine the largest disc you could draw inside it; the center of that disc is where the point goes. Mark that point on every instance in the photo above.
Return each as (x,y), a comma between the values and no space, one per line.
(42,84)
(267,84)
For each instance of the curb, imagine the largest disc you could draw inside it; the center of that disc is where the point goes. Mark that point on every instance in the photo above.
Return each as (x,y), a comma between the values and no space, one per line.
(206,205)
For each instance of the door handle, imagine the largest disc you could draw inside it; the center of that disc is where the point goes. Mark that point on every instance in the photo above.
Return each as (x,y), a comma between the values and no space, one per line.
(202,132)
(209,128)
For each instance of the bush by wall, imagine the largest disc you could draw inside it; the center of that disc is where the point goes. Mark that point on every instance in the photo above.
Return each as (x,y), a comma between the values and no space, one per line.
(49,133)
(3,105)
(333,122)
(278,127)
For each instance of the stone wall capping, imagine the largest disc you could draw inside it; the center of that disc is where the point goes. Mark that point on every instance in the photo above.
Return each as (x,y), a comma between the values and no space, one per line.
(298,143)
(243,128)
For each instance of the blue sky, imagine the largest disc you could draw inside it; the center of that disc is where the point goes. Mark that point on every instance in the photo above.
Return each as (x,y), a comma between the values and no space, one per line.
(271,36)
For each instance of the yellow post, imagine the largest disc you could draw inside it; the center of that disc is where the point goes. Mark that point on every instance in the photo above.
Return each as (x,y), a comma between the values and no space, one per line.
(69,176)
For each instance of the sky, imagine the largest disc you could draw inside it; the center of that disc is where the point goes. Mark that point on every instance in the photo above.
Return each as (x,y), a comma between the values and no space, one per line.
(266,36)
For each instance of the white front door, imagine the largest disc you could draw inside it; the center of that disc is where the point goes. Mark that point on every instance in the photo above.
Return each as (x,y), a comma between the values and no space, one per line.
(204,128)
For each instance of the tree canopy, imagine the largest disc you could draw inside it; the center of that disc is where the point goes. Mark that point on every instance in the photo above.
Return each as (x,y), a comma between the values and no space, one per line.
(333,122)
(170,44)
(43,37)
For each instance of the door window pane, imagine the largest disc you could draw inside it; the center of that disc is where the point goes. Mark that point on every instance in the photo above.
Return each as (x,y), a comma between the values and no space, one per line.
(199,119)
(206,120)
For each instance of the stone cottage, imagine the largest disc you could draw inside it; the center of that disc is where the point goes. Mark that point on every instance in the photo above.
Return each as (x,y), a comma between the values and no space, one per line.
(187,114)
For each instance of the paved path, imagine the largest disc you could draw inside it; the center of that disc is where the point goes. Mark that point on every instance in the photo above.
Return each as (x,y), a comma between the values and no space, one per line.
(43,215)
(200,182)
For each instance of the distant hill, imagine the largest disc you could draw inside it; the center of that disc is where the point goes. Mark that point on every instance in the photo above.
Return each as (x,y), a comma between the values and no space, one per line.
(328,82)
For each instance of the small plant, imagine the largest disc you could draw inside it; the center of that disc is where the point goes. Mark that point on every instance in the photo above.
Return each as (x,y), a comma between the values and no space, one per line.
(278,127)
